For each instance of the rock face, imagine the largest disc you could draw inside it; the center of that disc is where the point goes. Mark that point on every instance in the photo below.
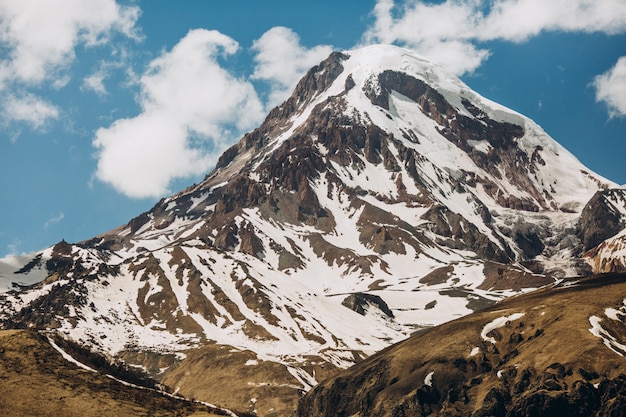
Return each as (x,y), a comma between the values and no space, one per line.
(602,217)
(361,303)
(382,180)
(539,354)
(601,227)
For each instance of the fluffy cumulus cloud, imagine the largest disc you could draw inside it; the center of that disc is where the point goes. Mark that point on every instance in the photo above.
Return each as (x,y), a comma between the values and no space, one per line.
(38,39)
(611,88)
(453,32)
(191,109)
(441,32)
(282,61)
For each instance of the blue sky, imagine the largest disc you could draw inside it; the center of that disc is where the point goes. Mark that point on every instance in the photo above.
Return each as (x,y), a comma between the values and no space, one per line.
(105,106)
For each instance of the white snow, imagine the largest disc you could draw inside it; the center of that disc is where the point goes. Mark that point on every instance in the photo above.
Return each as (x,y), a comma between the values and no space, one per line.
(496,324)
(614,314)
(612,250)
(428,379)
(480,145)
(67,356)
(11,264)
(308,381)
(575,183)
(608,339)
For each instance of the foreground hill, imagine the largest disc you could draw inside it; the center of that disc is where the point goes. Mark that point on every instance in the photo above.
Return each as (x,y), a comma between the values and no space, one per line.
(559,351)
(38,381)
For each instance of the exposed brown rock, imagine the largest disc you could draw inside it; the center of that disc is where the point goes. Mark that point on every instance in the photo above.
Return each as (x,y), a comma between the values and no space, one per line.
(250,243)
(463,234)
(599,220)
(359,302)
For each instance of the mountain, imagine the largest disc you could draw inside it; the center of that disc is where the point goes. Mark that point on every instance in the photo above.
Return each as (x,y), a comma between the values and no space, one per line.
(558,351)
(382,198)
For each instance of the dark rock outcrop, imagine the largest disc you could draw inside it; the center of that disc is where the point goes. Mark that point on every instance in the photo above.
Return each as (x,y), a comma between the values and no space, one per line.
(359,302)
(599,219)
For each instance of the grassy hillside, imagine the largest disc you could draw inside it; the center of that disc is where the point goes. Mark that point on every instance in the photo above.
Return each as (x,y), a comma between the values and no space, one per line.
(554,352)
(37,381)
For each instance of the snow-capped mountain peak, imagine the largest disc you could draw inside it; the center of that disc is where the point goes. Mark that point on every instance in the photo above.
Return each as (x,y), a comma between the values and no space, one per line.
(382,197)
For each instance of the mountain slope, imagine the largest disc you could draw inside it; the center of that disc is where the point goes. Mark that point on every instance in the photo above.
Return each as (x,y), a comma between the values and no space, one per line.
(383,197)
(557,351)
(37,380)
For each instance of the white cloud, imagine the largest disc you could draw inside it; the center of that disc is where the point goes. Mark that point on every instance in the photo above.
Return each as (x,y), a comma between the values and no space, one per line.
(457,56)
(518,20)
(192,108)
(118,59)
(611,88)
(95,82)
(39,38)
(450,32)
(441,32)
(54,219)
(282,61)
(41,35)
(29,109)
(13,248)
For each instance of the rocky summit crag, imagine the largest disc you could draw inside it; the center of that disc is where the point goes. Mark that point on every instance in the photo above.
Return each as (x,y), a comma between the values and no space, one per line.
(383,197)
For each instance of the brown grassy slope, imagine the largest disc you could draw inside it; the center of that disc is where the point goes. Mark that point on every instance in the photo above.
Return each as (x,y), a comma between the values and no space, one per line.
(545,363)
(238,380)
(36,380)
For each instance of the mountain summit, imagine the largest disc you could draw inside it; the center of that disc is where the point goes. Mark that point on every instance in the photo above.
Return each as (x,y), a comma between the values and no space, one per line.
(384,196)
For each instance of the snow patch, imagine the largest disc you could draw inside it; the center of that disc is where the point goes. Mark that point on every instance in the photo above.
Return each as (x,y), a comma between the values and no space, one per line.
(10,279)
(428,379)
(614,314)
(607,338)
(480,145)
(307,380)
(68,357)
(496,324)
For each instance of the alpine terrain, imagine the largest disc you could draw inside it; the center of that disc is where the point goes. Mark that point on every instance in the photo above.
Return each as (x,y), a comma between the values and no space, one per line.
(558,351)
(382,198)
